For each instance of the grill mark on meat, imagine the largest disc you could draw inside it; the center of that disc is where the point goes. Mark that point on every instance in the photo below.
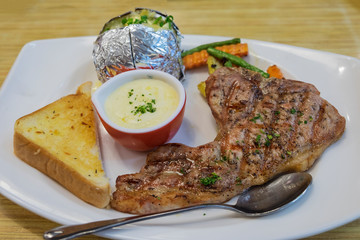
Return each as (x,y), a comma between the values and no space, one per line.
(269,157)
(319,118)
(245,106)
(294,126)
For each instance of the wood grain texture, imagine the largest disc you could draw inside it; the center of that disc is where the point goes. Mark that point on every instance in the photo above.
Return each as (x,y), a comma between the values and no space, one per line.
(327,25)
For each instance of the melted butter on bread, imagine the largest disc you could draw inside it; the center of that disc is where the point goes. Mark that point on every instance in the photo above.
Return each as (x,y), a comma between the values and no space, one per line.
(60,140)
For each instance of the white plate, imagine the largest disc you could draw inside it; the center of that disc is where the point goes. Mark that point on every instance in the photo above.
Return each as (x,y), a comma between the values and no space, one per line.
(46,70)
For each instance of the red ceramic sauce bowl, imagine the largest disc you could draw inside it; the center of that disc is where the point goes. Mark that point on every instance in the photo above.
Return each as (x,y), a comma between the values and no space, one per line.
(146,138)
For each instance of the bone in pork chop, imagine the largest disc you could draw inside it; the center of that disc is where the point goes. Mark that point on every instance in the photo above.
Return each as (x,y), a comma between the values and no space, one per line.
(267,126)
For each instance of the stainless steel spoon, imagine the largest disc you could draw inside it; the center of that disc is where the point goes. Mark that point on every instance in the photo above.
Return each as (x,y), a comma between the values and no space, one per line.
(257,201)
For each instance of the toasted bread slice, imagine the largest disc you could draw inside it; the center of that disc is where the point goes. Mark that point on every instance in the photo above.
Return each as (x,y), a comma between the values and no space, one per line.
(60,140)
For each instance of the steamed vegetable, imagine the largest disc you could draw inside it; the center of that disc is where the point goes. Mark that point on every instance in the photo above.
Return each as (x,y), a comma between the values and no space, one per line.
(213,64)
(198,59)
(201,87)
(235,60)
(274,71)
(194,60)
(213,45)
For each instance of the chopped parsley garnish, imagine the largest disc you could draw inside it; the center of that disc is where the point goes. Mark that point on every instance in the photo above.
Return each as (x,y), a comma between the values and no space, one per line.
(157,20)
(224,158)
(238,181)
(257,140)
(157,197)
(131,92)
(207,181)
(148,107)
(182,171)
(293,111)
(268,137)
(267,142)
(161,22)
(128,21)
(258,116)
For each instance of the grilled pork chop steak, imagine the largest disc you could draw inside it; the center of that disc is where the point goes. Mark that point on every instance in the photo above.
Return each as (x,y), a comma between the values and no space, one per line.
(267,126)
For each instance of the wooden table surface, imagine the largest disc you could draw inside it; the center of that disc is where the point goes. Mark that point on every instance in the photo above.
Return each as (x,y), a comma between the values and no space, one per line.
(328,25)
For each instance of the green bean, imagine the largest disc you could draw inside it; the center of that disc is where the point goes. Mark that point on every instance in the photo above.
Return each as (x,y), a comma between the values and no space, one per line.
(212,45)
(235,60)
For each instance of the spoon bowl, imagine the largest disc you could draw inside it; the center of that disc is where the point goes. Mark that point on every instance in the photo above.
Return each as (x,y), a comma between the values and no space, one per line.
(273,195)
(257,201)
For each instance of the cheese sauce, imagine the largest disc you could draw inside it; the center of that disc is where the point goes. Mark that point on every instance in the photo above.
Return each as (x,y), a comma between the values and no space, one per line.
(141,103)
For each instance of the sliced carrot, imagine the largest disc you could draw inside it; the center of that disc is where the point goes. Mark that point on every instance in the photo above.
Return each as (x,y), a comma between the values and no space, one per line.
(198,59)
(240,49)
(274,71)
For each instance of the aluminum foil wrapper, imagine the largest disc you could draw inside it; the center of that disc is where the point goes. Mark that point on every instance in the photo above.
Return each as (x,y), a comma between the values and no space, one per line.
(137,47)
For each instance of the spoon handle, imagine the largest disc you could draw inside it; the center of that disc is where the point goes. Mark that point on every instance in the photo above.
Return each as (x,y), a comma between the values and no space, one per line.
(72,231)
